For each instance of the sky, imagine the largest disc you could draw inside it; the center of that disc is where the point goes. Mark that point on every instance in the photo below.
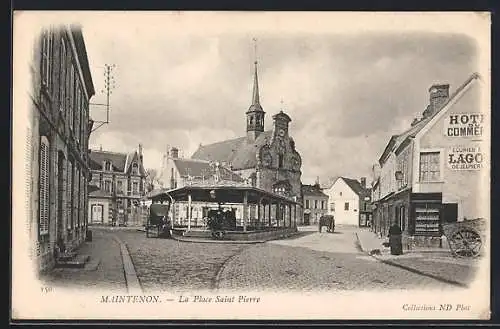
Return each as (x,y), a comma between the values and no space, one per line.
(346,93)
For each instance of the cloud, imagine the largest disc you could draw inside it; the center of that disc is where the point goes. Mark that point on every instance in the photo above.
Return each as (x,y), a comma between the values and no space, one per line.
(343,93)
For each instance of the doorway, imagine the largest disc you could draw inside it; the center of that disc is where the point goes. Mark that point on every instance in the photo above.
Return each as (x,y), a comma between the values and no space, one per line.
(402,218)
(97,213)
(306,219)
(450,212)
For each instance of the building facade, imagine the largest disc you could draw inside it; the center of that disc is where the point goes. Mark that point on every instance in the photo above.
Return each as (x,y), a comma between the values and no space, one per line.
(438,170)
(120,181)
(315,203)
(350,201)
(58,130)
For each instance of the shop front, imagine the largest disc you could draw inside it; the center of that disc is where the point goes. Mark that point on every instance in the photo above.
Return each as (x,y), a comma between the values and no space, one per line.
(419,215)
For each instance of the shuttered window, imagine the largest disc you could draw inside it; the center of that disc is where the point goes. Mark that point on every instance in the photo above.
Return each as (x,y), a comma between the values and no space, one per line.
(43,224)
(69,203)
(62,76)
(28,175)
(47,59)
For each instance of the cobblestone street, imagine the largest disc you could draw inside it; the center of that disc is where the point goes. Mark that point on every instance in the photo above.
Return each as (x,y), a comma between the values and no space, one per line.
(311,261)
(169,265)
(305,264)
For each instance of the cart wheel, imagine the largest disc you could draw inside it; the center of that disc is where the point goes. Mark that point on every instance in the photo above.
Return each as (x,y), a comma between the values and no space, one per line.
(465,243)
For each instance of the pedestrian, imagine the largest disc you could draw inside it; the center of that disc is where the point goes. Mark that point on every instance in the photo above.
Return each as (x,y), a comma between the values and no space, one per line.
(395,240)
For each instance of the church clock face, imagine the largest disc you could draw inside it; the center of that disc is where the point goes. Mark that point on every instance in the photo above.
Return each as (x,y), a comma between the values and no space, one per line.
(281,132)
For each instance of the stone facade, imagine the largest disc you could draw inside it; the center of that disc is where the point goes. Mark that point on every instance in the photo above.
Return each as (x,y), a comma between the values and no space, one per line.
(436,172)
(315,204)
(57,142)
(120,178)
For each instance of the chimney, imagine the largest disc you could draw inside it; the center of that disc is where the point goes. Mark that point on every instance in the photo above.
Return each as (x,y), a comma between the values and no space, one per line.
(174,152)
(363,182)
(438,95)
(414,122)
(140,153)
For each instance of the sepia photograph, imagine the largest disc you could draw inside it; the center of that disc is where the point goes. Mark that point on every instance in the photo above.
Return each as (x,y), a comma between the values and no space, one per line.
(250,165)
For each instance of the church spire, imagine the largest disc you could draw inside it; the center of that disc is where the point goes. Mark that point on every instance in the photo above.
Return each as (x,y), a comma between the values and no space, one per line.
(255,95)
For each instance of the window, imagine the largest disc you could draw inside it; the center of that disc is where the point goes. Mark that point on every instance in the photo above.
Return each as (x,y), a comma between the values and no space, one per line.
(307,204)
(332,207)
(62,75)
(47,59)
(108,166)
(280,160)
(119,187)
(43,224)
(107,186)
(70,94)
(70,192)
(135,187)
(340,193)
(77,109)
(322,204)
(135,169)
(315,204)
(346,206)
(430,167)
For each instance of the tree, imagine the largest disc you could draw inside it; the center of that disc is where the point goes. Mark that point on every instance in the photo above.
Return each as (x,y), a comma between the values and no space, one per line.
(151,179)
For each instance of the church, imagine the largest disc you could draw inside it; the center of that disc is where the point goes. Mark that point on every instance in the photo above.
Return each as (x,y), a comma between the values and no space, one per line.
(266,159)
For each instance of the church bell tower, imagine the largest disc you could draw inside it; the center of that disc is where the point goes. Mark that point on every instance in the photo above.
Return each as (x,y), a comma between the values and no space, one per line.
(255,113)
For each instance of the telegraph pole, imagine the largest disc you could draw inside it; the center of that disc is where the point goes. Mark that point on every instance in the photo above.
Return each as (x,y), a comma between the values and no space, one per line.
(109,86)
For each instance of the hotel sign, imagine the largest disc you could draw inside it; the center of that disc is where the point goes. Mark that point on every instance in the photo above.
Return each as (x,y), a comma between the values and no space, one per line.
(464,125)
(466,158)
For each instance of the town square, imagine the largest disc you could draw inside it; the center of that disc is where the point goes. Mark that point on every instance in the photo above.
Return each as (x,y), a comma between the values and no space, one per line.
(211,165)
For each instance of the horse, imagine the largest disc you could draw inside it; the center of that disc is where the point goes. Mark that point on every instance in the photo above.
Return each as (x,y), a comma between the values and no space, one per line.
(328,221)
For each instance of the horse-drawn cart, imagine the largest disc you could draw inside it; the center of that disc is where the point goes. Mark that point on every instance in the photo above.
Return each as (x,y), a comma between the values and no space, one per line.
(466,238)
(158,222)
(328,221)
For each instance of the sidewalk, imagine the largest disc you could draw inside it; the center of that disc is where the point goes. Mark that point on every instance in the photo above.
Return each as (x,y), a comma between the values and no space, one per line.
(105,270)
(437,263)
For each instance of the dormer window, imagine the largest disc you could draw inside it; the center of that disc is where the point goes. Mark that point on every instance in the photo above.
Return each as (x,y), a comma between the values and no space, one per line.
(108,166)
(135,169)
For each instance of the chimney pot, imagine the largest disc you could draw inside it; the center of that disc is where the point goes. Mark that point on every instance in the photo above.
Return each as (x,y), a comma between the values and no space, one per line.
(174,152)
(363,182)
(438,95)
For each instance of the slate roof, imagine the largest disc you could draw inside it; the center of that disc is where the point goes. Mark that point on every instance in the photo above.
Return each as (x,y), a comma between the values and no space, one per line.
(312,190)
(356,186)
(413,131)
(198,168)
(240,152)
(120,161)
